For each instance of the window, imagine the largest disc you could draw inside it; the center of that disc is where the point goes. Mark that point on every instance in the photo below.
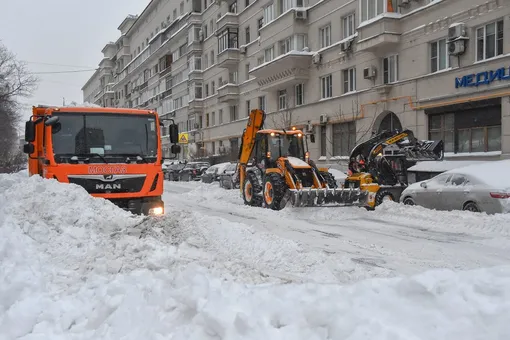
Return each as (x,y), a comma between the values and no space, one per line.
(285,46)
(260,23)
(227,39)
(438,55)
(441,127)
(220,116)
(348,26)
(372,8)
(206,90)
(323,141)
(212,57)
(268,54)
(207,120)
(247,70)
(247,34)
(247,3)
(262,103)
(213,119)
(325,36)
(211,26)
(489,40)
(282,100)
(301,41)
(213,87)
(349,78)
(232,77)
(285,5)
(195,63)
(479,139)
(181,7)
(344,138)
(326,86)
(175,14)
(300,94)
(233,113)
(248,109)
(390,69)
(269,13)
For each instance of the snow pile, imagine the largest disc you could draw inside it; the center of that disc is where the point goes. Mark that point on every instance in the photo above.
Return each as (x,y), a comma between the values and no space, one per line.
(494,174)
(76,267)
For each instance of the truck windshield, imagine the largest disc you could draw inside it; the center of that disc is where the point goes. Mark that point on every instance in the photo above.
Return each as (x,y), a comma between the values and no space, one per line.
(104,137)
(286,146)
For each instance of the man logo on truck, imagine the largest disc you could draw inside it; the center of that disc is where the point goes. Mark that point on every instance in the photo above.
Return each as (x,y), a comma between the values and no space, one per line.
(107,186)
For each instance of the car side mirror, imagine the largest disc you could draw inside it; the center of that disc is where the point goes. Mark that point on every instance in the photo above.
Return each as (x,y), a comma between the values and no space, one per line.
(51,121)
(174,133)
(28,148)
(312,138)
(29,131)
(175,149)
(423,184)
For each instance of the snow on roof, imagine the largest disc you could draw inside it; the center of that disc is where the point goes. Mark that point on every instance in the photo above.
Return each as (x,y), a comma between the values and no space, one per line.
(492,173)
(440,166)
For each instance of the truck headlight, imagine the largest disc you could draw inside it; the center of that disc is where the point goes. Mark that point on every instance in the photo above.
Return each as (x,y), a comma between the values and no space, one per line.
(156,211)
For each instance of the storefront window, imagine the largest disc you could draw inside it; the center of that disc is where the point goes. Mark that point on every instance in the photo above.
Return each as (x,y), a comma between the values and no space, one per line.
(481,139)
(442,127)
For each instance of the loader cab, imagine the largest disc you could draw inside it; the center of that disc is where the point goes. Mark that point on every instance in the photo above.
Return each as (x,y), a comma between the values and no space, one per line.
(273,144)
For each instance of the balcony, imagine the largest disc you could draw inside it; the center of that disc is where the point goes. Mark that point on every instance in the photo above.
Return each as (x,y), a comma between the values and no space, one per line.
(195,105)
(283,71)
(228,93)
(379,36)
(229,20)
(196,75)
(229,59)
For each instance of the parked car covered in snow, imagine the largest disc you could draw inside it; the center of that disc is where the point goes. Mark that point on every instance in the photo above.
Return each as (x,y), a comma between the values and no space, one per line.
(172,171)
(481,187)
(229,179)
(429,169)
(212,174)
(193,171)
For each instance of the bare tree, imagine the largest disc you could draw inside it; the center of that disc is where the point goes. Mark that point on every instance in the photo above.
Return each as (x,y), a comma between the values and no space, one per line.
(15,83)
(284,118)
(362,131)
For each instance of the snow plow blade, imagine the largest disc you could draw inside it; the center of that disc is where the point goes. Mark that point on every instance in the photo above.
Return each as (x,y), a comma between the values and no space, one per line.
(327,197)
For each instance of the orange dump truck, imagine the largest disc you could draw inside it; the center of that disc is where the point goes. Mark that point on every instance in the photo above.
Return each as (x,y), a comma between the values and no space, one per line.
(113,153)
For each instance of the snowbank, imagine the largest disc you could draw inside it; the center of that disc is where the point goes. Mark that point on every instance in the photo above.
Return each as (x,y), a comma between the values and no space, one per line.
(76,267)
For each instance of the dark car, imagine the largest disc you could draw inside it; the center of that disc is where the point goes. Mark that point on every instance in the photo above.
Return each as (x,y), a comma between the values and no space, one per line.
(229,179)
(193,171)
(172,171)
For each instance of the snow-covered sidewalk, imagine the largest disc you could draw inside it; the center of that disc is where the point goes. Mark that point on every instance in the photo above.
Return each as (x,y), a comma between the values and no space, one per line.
(75,267)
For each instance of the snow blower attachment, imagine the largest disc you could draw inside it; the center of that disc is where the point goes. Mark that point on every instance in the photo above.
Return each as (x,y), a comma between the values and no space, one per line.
(275,168)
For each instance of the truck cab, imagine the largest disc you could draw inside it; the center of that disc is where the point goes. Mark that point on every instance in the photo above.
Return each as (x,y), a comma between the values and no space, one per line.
(112,153)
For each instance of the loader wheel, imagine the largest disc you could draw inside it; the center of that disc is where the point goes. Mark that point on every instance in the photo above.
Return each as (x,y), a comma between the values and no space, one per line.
(250,190)
(383,196)
(330,179)
(274,191)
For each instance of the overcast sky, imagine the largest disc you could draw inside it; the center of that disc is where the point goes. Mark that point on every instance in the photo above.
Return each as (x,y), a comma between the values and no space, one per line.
(69,34)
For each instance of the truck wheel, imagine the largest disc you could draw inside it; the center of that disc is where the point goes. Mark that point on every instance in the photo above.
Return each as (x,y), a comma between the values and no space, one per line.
(274,191)
(250,190)
(330,179)
(383,196)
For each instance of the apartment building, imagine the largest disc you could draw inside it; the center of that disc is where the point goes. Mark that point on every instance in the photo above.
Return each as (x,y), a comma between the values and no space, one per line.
(343,70)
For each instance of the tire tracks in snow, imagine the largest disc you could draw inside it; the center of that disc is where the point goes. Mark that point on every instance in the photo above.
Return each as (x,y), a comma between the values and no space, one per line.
(406,247)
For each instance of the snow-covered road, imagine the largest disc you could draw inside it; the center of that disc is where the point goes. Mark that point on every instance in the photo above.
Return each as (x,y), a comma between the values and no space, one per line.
(77,267)
(392,240)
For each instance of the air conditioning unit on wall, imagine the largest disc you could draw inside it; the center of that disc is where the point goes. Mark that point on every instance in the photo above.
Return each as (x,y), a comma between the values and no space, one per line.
(369,72)
(323,119)
(300,14)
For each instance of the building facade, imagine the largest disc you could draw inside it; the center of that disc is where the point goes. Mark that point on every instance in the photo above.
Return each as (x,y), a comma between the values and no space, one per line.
(342,69)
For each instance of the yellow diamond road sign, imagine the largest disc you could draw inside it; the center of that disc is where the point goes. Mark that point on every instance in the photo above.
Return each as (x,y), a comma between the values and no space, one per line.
(183,138)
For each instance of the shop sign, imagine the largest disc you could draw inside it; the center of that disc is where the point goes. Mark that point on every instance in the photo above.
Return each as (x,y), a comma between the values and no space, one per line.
(483,78)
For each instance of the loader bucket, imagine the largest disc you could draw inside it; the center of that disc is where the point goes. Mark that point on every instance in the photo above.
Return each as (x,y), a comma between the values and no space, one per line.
(309,197)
